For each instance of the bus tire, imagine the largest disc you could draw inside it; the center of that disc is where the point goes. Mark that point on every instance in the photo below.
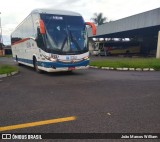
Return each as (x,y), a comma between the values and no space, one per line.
(17,61)
(127,53)
(108,54)
(16,58)
(35,64)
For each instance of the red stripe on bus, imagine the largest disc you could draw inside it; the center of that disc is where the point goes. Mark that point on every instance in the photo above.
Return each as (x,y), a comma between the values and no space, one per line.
(22,40)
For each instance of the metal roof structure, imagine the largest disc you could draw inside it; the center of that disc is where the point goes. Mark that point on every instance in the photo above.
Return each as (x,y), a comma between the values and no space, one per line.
(143,24)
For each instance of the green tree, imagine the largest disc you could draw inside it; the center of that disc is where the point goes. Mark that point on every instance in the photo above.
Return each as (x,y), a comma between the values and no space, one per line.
(98,18)
(1,46)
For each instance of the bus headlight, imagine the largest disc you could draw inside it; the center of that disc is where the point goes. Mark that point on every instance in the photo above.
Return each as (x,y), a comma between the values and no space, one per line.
(86,58)
(54,56)
(52,59)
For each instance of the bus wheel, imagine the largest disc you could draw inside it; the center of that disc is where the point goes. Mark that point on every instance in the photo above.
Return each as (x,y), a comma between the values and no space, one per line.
(127,53)
(17,61)
(35,63)
(108,54)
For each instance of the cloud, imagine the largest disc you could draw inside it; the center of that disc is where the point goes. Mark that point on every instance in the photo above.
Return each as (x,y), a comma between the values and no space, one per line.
(14,11)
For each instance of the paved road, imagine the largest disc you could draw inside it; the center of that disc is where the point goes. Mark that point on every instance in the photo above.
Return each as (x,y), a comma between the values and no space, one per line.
(7,60)
(102,101)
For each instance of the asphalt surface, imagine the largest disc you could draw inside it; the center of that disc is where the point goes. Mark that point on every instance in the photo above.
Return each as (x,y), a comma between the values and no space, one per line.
(102,101)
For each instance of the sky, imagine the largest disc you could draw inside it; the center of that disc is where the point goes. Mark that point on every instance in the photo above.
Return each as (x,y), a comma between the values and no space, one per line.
(14,11)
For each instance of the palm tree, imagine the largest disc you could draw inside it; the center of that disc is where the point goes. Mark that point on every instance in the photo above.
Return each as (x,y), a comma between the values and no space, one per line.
(98,18)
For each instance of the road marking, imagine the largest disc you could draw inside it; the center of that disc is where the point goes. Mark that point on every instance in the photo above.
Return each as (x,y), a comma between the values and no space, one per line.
(38,123)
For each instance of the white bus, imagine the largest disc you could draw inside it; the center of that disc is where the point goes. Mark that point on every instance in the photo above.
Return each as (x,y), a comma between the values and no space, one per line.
(52,41)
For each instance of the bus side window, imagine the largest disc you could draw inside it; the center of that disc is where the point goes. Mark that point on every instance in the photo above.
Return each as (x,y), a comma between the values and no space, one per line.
(39,39)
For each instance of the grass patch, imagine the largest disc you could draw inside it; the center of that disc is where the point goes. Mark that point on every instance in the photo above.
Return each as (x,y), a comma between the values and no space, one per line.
(128,63)
(8,56)
(6,69)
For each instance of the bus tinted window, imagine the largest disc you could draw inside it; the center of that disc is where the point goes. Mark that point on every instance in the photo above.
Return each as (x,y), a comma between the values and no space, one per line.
(65,34)
(24,30)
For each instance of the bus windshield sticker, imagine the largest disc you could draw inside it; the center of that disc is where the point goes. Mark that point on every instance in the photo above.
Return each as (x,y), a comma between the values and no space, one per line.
(67,57)
(57,17)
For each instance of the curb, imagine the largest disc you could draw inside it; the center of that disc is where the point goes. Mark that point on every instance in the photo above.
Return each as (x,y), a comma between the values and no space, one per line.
(8,74)
(123,69)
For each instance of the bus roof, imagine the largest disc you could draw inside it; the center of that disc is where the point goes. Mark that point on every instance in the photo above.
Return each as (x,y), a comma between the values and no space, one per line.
(57,12)
(51,11)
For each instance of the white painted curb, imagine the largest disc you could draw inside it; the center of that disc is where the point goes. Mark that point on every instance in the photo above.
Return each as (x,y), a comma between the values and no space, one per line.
(151,69)
(131,69)
(123,69)
(9,74)
(138,69)
(146,69)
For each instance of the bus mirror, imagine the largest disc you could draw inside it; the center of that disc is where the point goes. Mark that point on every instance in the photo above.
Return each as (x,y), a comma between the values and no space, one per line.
(92,26)
(42,28)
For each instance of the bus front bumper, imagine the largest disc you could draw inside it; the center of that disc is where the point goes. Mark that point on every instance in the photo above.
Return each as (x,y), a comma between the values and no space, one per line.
(63,69)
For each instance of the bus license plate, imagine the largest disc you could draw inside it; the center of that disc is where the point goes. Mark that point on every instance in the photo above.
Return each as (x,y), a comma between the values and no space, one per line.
(71,68)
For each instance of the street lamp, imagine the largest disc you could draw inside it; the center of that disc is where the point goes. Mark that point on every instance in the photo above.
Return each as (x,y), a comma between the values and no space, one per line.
(1,38)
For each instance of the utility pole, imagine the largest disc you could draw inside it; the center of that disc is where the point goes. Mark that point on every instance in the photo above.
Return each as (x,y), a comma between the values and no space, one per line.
(1,38)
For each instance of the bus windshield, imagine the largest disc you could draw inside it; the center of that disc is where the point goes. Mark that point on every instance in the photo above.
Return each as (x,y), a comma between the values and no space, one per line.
(65,34)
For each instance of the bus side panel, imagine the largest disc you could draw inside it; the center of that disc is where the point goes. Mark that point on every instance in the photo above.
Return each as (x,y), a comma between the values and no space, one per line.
(23,52)
(23,41)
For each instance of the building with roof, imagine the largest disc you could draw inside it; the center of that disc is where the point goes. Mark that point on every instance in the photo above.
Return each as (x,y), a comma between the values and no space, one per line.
(144,26)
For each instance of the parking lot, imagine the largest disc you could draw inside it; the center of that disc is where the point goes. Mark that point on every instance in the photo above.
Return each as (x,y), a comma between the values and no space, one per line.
(99,101)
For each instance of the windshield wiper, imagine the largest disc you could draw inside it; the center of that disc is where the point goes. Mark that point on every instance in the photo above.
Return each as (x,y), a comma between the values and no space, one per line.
(71,37)
(74,41)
